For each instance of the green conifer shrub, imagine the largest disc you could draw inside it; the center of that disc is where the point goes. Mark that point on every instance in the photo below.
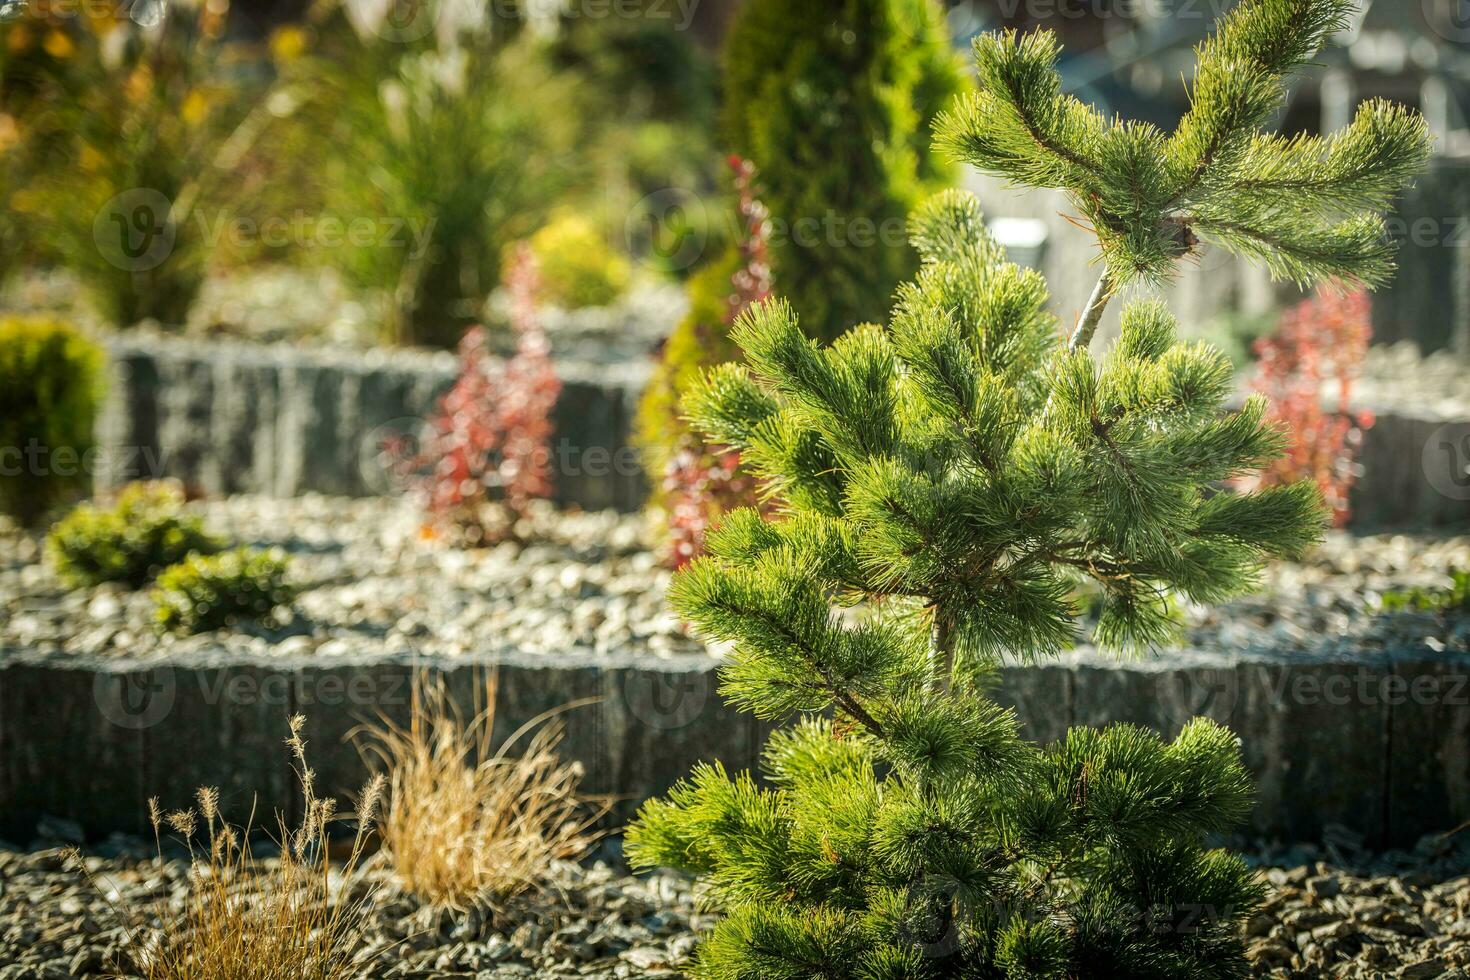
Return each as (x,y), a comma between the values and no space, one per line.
(698,341)
(833,102)
(950,480)
(696,483)
(578,267)
(142,532)
(209,592)
(51,380)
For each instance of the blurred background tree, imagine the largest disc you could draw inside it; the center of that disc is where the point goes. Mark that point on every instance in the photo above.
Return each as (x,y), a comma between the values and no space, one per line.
(130,125)
(456,142)
(833,103)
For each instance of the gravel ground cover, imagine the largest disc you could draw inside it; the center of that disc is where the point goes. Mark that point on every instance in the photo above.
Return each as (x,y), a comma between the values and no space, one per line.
(1397,377)
(1332,912)
(57,923)
(1335,912)
(375,582)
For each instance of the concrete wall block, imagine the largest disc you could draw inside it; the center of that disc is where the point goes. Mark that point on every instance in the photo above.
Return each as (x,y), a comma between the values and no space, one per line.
(1395,485)
(1317,745)
(588,451)
(667,716)
(73,747)
(128,427)
(293,419)
(224,728)
(387,406)
(242,440)
(319,404)
(337,699)
(186,402)
(1041,695)
(1428,699)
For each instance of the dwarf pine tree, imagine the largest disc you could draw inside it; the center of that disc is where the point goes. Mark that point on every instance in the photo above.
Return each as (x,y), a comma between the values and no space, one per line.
(945,484)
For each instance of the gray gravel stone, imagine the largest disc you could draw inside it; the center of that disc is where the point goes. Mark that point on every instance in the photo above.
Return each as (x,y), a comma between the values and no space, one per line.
(1393,915)
(375,583)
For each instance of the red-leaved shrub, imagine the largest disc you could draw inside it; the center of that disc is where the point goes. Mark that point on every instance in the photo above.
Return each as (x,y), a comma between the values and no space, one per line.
(1314,355)
(702,482)
(485,451)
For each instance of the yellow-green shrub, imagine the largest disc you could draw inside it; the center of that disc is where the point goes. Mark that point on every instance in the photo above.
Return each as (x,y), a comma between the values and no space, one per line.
(578,267)
(143,532)
(698,341)
(207,592)
(50,387)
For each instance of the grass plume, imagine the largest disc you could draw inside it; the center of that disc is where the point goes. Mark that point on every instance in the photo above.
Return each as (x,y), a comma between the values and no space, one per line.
(290,918)
(466,821)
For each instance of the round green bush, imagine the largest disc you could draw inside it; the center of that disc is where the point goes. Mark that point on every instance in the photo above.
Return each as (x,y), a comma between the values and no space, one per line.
(833,103)
(209,592)
(578,267)
(143,532)
(51,380)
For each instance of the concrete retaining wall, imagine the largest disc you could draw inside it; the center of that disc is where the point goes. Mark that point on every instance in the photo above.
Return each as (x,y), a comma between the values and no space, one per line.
(1415,471)
(1380,745)
(243,418)
(230,417)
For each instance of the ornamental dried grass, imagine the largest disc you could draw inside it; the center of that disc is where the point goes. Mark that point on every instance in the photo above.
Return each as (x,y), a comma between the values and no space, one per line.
(466,822)
(292,918)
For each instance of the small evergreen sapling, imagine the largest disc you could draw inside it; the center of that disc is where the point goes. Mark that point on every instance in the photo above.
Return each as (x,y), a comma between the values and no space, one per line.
(949,480)
(1307,207)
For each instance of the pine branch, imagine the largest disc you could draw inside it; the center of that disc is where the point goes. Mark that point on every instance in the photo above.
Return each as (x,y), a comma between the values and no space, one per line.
(942,649)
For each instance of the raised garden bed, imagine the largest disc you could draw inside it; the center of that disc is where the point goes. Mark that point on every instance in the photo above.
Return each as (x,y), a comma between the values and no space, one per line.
(1346,715)
(282,420)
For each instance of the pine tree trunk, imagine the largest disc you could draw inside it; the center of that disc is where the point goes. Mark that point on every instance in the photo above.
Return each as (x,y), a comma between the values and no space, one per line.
(941,648)
(1092,316)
